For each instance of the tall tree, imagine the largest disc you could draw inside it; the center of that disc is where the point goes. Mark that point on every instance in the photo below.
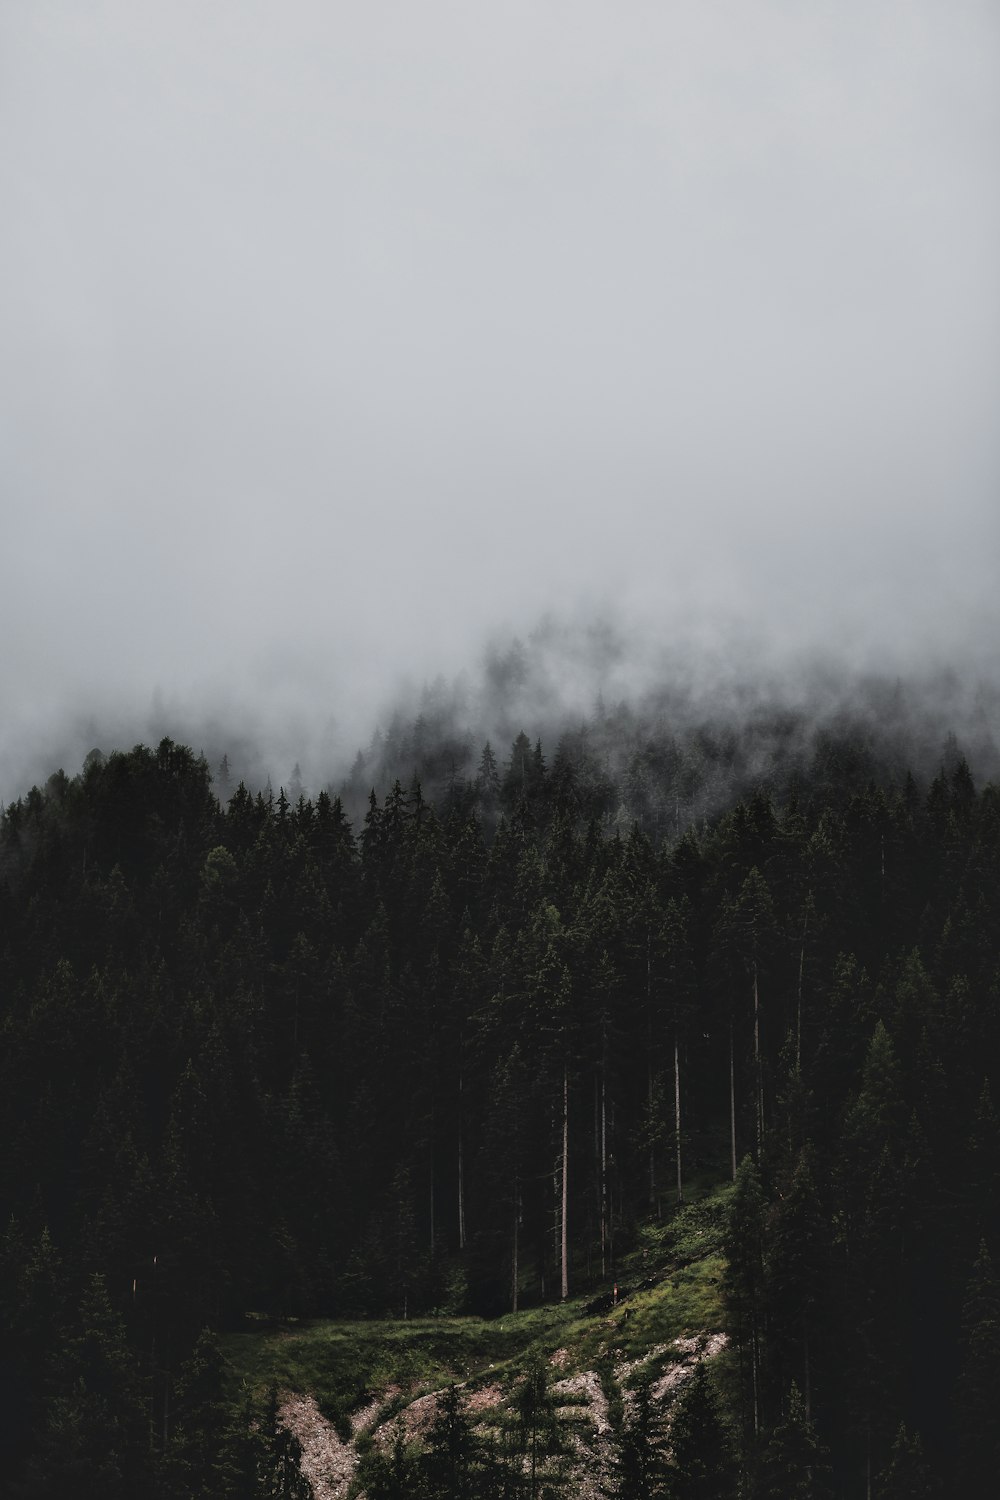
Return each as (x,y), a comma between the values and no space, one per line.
(700,1465)
(979,1382)
(744,1286)
(793,1465)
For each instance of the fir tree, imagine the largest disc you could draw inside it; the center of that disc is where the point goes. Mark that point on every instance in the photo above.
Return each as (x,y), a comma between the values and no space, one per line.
(979,1383)
(907,1475)
(700,1467)
(792,1465)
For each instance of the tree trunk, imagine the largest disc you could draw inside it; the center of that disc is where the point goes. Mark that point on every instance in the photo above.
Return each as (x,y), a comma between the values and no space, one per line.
(677,1115)
(461,1172)
(556,1209)
(565,1184)
(649,1071)
(798,1000)
(757,1063)
(732,1098)
(604,1171)
(755,1377)
(514,1270)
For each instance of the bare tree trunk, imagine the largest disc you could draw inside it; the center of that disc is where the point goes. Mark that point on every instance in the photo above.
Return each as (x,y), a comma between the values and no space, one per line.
(461,1172)
(565,1184)
(649,1070)
(798,1001)
(597,1122)
(514,1270)
(677,1115)
(732,1098)
(598,1177)
(604,1174)
(755,1377)
(556,1210)
(757,1062)
(152,1394)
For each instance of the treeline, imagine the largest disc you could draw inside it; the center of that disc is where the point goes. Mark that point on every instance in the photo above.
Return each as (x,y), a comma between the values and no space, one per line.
(254,1059)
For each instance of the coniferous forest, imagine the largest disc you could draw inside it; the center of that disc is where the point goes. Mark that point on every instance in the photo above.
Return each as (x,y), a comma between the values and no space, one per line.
(267,1060)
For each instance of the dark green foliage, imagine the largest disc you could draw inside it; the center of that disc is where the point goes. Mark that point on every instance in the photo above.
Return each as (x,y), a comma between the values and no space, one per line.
(251,1063)
(745,1285)
(797,1273)
(537,1432)
(397,1475)
(197,1457)
(640,1462)
(700,1466)
(792,1464)
(906,1476)
(452,1461)
(93,1439)
(979,1382)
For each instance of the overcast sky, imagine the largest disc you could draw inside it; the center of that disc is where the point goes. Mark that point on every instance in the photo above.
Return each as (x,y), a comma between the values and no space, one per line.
(336,335)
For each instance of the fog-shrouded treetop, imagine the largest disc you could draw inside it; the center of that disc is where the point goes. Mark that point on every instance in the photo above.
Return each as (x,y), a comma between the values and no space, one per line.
(337,337)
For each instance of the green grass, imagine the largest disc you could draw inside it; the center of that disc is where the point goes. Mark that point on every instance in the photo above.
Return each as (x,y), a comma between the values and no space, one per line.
(343,1364)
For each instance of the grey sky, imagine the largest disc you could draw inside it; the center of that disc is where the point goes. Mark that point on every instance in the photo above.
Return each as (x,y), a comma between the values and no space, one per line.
(336,335)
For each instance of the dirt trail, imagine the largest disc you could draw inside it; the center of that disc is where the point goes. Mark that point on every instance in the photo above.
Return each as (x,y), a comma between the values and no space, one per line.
(328,1463)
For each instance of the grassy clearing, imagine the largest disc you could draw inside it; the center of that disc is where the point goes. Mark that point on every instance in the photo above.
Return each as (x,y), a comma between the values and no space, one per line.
(343,1364)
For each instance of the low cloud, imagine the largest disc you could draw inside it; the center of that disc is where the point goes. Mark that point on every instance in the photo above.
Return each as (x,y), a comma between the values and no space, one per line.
(339,341)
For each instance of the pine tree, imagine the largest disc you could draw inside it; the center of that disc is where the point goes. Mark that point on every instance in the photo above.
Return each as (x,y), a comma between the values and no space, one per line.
(979,1383)
(488,778)
(281,1476)
(640,1462)
(907,1475)
(537,1430)
(450,1462)
(744,1287)
(796,1276)
(197,1455)
(94,1444)
(700,1467)
(396,1475)
(792,1465)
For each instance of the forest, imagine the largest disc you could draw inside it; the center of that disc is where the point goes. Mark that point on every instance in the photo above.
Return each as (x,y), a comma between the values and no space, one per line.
(442,1044)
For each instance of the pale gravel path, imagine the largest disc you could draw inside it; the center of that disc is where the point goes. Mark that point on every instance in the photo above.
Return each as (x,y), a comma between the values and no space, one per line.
(365,1416)
(586,1384)
(328,1463)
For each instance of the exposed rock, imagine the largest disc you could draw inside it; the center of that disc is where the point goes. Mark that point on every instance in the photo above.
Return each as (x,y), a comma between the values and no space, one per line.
(588,1385)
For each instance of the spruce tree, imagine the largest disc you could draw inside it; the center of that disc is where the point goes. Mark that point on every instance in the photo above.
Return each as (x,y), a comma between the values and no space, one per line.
(906,1476)
(94,1442)
(700,1467)
(792,1464)
(197,1458)
(450,1462)
(979,1383)
(744,1288)
(640,1462)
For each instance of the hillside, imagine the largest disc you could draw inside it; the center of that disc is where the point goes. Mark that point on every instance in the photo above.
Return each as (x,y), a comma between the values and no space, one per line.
(347,1390)
(390,1103)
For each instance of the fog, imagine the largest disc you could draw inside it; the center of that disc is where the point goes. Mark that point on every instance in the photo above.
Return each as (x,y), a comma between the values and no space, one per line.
(339,341)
